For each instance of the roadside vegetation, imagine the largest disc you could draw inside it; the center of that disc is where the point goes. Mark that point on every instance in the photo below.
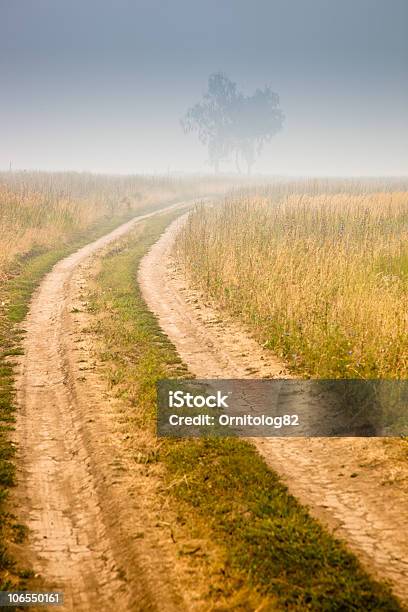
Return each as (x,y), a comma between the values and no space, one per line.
(44,217)
(274,556)
(318,271)
(40,210)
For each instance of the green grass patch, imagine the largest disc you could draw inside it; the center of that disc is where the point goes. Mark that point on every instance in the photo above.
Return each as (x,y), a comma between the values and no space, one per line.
(222,487)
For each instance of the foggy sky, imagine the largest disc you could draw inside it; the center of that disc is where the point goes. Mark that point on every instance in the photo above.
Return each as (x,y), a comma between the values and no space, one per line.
(101,85)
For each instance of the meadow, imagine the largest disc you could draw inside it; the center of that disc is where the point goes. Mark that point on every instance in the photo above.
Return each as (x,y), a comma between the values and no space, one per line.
(318,270)
(44,217)
(257,547)
(39,210)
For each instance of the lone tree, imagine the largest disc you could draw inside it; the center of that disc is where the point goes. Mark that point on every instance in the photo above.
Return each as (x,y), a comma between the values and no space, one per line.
(228,122)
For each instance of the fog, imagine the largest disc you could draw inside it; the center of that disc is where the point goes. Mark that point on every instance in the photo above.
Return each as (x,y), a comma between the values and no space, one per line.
(101,86)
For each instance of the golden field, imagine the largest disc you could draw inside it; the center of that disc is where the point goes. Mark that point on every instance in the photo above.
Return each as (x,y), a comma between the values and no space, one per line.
(40,210)
(320,275)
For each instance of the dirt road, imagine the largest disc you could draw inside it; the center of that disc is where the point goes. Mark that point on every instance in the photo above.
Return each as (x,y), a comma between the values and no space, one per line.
(72,481)
(358,487)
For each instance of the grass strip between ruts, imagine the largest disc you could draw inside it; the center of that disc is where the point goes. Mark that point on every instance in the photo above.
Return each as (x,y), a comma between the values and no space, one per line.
(271,542)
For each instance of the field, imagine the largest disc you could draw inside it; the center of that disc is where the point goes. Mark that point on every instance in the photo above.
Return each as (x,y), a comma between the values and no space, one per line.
(305,266)
(44,217)
(318,271)
(256,547)
(203,306)
(41,210)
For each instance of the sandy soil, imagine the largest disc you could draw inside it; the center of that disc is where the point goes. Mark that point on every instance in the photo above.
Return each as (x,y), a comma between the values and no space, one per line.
(358,487)
(92,530)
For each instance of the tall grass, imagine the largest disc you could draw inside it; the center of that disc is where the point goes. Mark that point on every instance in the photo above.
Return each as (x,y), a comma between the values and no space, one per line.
(321,278)
(261,549)
(41,210)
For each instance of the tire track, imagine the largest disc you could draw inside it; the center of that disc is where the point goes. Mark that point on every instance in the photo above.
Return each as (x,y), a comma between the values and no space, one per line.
(73,543)
(358,487)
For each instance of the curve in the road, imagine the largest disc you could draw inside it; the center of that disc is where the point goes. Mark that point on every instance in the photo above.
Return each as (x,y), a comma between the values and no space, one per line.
(72,545)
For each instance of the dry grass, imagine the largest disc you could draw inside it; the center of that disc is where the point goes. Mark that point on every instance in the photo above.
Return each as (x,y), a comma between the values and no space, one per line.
(42,210)
(44,217)
(255,547)
(322,278)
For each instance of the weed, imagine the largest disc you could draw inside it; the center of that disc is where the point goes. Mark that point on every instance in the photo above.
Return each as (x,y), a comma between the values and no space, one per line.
(321,279)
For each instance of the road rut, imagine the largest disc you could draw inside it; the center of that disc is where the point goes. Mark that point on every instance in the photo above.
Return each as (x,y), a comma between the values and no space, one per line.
(358,487)
(77,521)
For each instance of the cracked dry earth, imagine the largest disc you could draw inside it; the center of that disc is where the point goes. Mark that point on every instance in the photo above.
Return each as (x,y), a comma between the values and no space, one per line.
(81,508)
(358,487)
